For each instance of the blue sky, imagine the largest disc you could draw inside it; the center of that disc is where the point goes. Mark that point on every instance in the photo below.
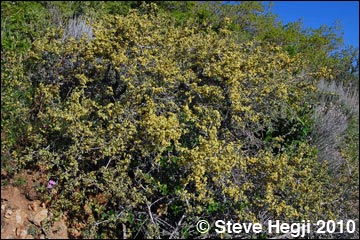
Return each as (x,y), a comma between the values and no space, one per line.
(316,13)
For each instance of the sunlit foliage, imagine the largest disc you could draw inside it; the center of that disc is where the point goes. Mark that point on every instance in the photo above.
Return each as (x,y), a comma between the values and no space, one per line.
(151,114)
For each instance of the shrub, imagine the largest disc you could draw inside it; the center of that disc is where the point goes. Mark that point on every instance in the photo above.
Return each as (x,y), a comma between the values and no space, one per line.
(16,99)
(16,32)
(149,123)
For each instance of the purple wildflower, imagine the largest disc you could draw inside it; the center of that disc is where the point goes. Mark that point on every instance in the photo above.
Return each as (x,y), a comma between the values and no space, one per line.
(51,184)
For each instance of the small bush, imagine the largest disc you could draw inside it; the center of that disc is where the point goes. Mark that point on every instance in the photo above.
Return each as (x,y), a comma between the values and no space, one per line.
(150,122)
(16,104)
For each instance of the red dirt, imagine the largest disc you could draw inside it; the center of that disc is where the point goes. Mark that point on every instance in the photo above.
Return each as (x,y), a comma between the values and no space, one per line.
(24,217)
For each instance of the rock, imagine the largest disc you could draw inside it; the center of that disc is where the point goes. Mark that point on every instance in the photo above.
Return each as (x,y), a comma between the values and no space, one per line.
(31,195)
(87,210)
(18,218)
(8,213)
(21,232)
(33,206)
(74,233)
(4,173)
(59,230)
(40,216)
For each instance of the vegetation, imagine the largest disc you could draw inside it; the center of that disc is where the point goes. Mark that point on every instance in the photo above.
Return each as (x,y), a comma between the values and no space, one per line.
(151,116)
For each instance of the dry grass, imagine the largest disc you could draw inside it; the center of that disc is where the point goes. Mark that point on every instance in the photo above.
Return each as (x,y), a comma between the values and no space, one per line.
(347,96)
(336,135)
(337,105)
(78,27)
(329,131)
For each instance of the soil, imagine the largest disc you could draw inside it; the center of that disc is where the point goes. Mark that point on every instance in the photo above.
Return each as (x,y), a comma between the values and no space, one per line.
(23,215)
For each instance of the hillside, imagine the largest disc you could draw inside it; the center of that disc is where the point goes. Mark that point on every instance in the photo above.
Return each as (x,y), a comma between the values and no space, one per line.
(141,119)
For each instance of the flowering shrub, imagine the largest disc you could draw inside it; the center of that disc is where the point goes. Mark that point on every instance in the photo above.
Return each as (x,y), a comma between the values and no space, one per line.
(150,124)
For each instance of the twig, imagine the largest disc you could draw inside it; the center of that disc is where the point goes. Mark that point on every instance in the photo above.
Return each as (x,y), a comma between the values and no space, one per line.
(151,216)
(124,230)
(140,227)
(177,227)
(164,223)
(149,210)
(108,163)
